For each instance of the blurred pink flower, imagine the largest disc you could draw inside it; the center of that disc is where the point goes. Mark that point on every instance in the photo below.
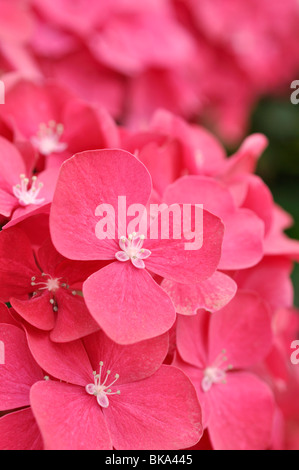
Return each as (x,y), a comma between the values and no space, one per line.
(217,352)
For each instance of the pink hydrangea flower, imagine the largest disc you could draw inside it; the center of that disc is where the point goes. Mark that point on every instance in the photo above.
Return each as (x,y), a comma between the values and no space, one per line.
(55,121)
(121,297)
(22,192)
(129,400)
(217,352)
(44,288)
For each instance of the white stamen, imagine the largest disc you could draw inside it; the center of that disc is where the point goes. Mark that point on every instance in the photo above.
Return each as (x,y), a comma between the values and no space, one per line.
(48,137)
(44,282)
(52,284)
(99,389)
(132,250)
(25,195)
(215,373)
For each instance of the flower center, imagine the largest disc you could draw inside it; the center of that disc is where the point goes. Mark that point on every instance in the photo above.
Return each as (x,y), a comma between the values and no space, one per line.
(47,140)
(27,196)
(47,282)
(131,249)
(100,389)
(215,373)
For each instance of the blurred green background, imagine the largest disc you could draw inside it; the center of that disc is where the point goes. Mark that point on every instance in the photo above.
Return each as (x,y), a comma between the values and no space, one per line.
(278,119)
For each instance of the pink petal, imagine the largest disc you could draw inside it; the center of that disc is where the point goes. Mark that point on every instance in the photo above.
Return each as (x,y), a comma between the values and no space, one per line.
(187,137)
(270,279)
(17,264)
(279,244)
(148,413)
(192,338)
(65,361)
(191,189)
(211,153)
(243,325)
(196,376)
(72,409)
(19,371)
(88,127)
(259,199)
(171,259)
(74,17)
(5,315)
(212,294)
(127,303)
(37,311)
(160,156)
(11,165)
(120,174)
(36,228)
(163,161)
(149,46)
(246,158)
(16,22)
(48,257)
(48,38)
(132,362)
(40,104)
(241,413)
(19,431)
(73,319)
(244,231)
(21,59)
(98,85)
(21,214)
(75,272)
(243,243)
(8,202)
(276,242)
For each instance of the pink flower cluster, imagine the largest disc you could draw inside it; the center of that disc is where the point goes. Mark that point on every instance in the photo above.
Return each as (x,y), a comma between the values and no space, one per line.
(209,59)
(130,342)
